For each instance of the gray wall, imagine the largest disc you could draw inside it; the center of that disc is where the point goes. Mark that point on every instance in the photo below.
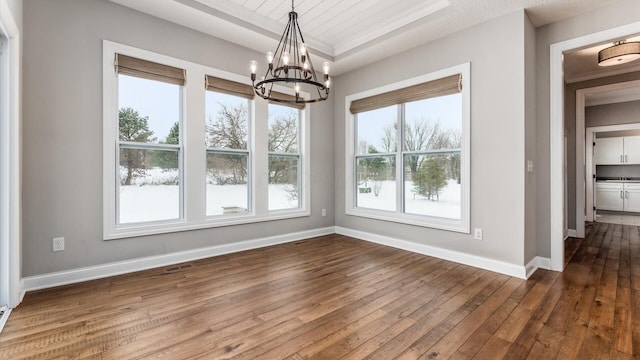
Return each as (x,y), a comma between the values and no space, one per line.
(497,134)
(612,114)
(62,180)
(531,225)
(618,14)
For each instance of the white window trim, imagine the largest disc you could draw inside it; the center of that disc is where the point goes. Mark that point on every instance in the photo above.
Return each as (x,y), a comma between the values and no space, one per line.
(194,153)
(463,224)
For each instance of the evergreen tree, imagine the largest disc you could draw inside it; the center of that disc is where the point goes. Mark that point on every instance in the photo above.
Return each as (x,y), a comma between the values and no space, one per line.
(168,159)
(174,134)
(133,127)
(430,178)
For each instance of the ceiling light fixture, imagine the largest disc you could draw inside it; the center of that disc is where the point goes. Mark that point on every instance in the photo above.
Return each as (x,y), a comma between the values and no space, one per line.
(620,53)
(291,65)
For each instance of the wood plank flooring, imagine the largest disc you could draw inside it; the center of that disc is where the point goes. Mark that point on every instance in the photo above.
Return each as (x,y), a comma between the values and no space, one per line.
(335,297)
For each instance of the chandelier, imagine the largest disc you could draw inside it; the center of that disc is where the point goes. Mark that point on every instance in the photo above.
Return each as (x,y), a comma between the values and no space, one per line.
(290,65)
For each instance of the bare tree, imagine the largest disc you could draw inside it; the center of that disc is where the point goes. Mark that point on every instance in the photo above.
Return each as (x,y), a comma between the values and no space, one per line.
(283,134)
(389,139)
(420,136)
(455,142)
(424,135)
(228,129)
(283,138)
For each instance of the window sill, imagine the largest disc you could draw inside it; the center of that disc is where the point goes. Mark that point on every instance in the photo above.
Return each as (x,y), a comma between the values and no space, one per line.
(135,230)
(417,220)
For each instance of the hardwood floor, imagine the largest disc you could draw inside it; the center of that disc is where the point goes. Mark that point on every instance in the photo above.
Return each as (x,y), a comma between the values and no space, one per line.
(335,297)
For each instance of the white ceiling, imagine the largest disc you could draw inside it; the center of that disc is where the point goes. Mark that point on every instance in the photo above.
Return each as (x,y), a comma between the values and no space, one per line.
(350,33)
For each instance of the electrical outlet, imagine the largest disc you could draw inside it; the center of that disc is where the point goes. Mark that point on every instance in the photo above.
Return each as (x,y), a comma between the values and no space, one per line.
(58,244)
(477,234)
(324,212)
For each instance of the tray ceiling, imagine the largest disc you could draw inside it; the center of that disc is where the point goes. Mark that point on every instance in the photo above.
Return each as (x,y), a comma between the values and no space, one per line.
(349,33)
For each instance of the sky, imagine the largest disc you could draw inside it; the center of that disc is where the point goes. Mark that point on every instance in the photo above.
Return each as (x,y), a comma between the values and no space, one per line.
(161,103)
(445,109)
(157,100)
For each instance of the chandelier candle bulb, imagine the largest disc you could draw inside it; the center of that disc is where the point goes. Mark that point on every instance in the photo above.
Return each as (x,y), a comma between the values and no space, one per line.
(254,67)
(270,60)
(326,67)
(303,53)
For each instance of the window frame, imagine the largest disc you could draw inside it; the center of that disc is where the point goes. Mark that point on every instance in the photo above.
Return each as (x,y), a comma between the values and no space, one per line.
(151,146)
(457,225)
(193,152)
(249,152)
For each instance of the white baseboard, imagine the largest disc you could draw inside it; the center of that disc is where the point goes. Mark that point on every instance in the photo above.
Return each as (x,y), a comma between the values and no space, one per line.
(450,255)
(536,263)
(44,281)
(122,267)
(4,318)
(572,233)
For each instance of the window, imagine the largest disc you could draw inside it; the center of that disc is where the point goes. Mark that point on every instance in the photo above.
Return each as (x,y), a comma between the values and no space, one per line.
(408,151)
(149,147)
(227,142)
(189,147)
(284,157)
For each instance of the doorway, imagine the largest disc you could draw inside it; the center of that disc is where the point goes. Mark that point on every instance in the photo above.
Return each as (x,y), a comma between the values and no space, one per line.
(556,130)
(611,95)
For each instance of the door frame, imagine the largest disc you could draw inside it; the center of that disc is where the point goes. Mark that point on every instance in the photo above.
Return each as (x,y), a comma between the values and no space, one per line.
(11,292)
(556,131)
(585,142)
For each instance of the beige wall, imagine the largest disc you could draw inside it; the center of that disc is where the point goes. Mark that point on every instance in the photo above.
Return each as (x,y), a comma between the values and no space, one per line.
(617,14)
(63,134)
(497,135)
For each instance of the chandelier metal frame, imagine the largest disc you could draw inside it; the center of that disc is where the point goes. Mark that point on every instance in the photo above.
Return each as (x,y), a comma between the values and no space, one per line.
(292,66)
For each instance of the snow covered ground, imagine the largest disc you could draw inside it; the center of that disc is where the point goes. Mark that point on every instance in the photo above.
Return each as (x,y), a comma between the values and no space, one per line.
(447,206)
(149,200)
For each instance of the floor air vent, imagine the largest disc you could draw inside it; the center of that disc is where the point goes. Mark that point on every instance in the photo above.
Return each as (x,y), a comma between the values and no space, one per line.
(176,268)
